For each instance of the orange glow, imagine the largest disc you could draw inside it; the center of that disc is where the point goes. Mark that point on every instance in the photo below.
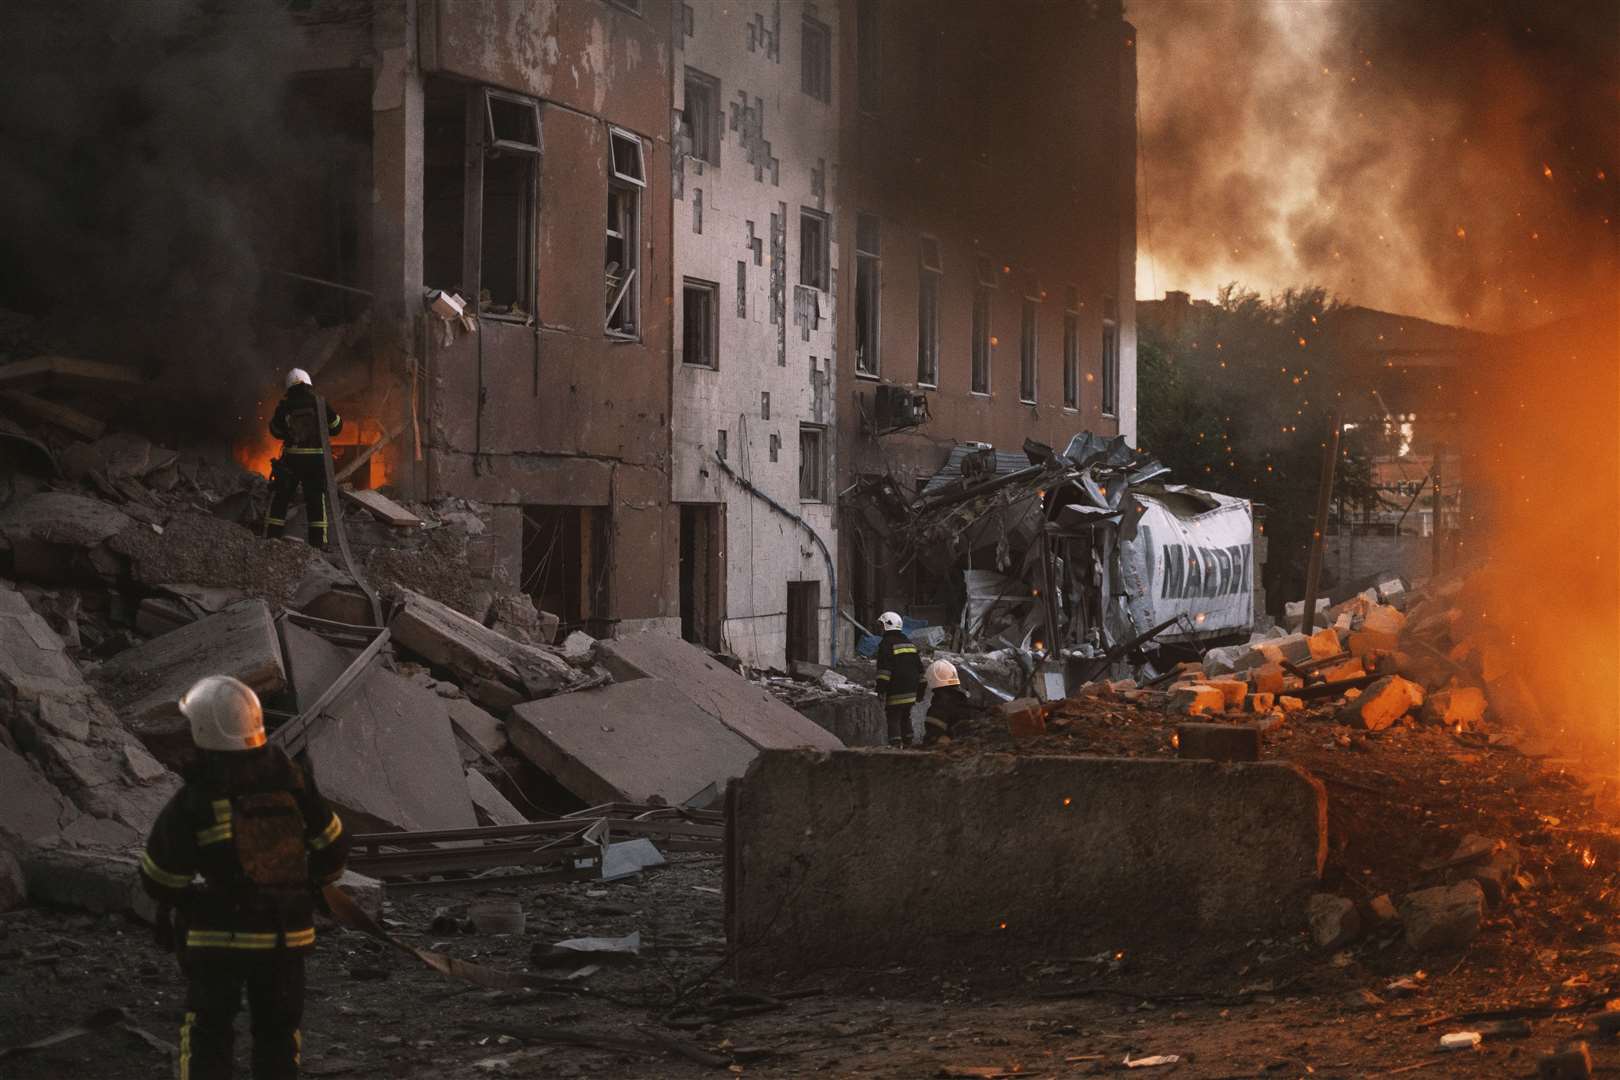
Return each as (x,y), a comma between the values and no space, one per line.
(256,450)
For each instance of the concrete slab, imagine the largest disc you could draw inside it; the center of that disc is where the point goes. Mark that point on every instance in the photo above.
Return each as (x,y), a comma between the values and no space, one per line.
(868,857)
(31,808)
(312,662)
(386,757)
(639,741)
(477,725)
(743,707)
(490,802)
(145,683)
(33,660)
(855,719)
(99,881)
(496,671)
(60,517)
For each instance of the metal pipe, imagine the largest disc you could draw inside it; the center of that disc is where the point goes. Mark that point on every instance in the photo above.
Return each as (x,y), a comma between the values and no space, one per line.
(826,555)
(1324,500)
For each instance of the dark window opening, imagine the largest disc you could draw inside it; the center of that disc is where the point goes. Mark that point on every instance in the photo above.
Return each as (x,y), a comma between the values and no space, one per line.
(701,119)
(622,263)
(814,255)
(702,596)
(867,56)
(1029,351)
(982,340)
(566,565)
(815,73)
(1110,359)
(812,463)
(1071,360)
(699,304)
(868,290)
(930,270)
(804,621)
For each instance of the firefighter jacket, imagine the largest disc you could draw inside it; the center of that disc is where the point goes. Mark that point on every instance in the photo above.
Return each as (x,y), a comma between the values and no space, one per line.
(297,421)
(899,669)
(253,826)
(948,706)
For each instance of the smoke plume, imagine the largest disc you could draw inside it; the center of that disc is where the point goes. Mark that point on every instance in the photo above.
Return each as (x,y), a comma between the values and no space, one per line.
(1455,159)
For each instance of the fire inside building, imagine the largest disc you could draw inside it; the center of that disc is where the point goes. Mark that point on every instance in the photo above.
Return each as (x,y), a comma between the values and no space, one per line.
(654,537)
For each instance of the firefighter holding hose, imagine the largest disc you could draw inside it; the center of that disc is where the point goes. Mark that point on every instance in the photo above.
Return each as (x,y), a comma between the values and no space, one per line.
(302,463)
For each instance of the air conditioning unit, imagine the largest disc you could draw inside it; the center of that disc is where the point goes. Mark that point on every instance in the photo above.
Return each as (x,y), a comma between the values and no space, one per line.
(898,408)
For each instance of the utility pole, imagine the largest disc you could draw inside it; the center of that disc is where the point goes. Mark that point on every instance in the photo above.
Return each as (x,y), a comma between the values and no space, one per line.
(1324,500)
(1439,491)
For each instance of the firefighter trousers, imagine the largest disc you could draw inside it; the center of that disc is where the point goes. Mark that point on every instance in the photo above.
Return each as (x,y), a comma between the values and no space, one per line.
(298,470)
(898,720)
(274,981)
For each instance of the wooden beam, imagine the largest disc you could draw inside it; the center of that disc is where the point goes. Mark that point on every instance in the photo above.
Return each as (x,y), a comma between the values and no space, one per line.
(63,417)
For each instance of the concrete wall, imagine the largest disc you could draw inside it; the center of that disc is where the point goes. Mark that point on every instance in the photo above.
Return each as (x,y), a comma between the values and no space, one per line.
(1007,132)
(778,153)
(861,858)
(562,413)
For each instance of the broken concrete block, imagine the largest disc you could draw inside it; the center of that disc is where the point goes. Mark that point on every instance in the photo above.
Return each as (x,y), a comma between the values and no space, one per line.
(99,881)
(1383,619)
(1365,643)
(1462,706)
(1443,918)
(490,803)
(494,670)
(367,892)
(62,519)
(1290,704)
(1383,909)
(31,808)
(144,684)
(1218,742)
(477,725)
(1324,643)
(1196,699)
(1385,702)
(313,663)
(1335,922)
(1350,669)
(578,646)
(1023,717)
(1267,679)
(639,741)
(1388,590)
(743,707)
(203,550)
(928,834)
(1233,691)
(13,886)
(385,756)
(1262,703)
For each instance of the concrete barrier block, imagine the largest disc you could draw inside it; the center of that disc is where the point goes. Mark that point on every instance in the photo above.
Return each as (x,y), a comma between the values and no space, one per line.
(856,858)
(1218,742)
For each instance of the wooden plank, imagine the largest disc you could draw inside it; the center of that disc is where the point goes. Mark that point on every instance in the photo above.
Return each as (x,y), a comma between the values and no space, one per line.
(365,455)
(383,508)
(40,370)
(63,417)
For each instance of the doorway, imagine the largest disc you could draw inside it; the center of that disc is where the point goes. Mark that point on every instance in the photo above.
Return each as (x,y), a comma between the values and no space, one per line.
(702,574)
(804,621)
(567,554)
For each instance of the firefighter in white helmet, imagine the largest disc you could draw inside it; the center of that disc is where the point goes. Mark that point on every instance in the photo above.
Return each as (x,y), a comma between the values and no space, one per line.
(250,823)
(302,463)
(948,705)
(899,676)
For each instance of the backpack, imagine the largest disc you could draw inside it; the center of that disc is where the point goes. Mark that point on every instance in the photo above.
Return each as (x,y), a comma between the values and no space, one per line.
(303,424)
(269,832)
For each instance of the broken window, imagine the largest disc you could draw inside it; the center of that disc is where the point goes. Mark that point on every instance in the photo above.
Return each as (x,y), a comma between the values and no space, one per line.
(627,177)
(930,270)
(868,270)
(480,177)
(1071,350)
(720,444)
(1029,351)
(701,119)
(776,446)
(983,289)
(765,405)
(814,258)
(812,463)
(1110,358)
(567,556)
(815,71)
(866,55)
(699,304)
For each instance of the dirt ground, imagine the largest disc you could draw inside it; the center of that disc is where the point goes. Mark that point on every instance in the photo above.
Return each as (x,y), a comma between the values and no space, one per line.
(1549,956)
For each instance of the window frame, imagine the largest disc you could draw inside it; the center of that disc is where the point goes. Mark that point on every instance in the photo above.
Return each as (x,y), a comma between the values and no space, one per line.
(628,297)
(711,330)
(869,266)
(1071,350)
(1110,359)
(811,29)
(823,250)
(491,95)
(709,89)
(631,7)
(982,335)
(930,278)
(819,431)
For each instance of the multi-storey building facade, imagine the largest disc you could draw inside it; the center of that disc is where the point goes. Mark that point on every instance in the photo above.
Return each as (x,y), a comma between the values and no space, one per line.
(755,261)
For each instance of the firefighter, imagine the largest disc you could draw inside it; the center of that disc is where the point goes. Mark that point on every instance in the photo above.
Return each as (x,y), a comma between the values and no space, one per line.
(948,705)
(899,673)
(303,457)
(252,825)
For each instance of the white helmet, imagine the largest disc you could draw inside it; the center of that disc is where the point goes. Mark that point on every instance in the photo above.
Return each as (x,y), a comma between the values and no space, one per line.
(298,375)
(890,620)
(224,714)
(942,673)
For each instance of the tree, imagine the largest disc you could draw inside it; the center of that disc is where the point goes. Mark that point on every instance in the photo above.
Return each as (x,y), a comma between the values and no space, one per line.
(1238,400)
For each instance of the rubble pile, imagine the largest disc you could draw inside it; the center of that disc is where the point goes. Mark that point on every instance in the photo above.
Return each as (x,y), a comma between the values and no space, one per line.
(128,570)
